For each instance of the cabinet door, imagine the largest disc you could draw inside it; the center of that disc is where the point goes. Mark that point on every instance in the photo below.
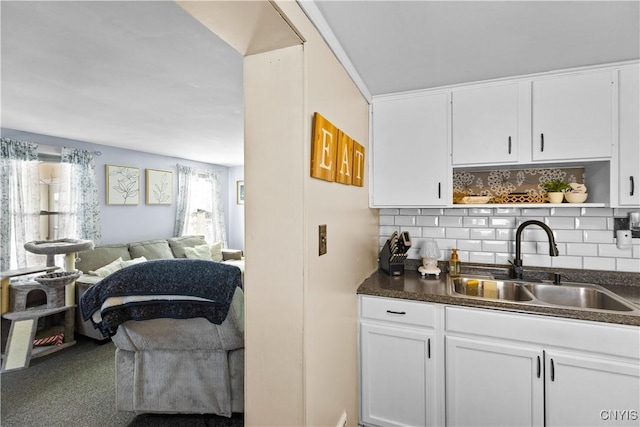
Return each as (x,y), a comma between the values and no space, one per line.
(485,125)
(588,391)
(493,384)
(629,137)
(410,141)
(397,376)
(573,117)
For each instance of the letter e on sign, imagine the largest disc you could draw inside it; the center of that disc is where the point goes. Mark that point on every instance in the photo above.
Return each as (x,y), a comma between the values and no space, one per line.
(325,147)
(344,164)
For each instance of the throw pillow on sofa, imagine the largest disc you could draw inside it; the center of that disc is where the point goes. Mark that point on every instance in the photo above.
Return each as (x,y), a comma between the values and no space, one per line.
(132,261)
(107,269)
(213,252)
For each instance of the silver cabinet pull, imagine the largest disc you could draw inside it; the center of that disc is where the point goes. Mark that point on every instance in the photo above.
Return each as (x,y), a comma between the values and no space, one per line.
(632,185)
(538,368)
(400,313)
(509,145)
(541,142)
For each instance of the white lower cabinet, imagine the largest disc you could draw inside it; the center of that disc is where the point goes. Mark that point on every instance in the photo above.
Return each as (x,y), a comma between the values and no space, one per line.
(498,368)
(493,384)
(398,364)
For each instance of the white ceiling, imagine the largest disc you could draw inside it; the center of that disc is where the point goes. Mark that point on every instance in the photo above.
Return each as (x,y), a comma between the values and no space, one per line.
(133,74)
(148,76)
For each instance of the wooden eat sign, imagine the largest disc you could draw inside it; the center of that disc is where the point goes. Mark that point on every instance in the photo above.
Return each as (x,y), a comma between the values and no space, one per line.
(335,156)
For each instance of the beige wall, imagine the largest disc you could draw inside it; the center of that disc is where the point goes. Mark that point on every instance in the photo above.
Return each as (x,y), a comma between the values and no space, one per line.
(301,309)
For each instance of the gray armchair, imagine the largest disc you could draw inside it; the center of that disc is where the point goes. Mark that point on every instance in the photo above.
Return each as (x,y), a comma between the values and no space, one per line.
(178,327)
(182,365)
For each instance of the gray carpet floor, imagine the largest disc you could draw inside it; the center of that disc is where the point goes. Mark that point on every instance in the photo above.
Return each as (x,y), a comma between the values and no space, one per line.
(75,387)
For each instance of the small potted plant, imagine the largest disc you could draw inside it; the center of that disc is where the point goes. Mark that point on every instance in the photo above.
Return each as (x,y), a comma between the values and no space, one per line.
(555,190)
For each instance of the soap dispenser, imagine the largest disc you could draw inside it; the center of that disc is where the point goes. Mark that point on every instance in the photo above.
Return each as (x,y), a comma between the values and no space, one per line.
(454,263)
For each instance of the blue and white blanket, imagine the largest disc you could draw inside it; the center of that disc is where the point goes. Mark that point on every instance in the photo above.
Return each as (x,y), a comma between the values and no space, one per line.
(175,288)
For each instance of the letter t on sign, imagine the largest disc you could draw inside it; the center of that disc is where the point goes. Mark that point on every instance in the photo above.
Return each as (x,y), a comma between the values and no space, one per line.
(325,147)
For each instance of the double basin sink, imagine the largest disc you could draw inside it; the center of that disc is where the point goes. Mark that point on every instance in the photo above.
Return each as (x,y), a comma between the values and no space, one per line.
(567,295)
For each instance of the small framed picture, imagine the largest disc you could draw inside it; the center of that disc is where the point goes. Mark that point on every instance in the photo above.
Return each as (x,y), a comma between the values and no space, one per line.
(159,187)
(240,192)
(123,185)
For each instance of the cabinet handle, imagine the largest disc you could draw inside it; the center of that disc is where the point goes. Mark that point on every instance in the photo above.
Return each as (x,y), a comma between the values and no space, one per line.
(399,313)
(541,142)
(538,368)
(553,371)
(509,145)
(429,348)
(439,190)
(632,186)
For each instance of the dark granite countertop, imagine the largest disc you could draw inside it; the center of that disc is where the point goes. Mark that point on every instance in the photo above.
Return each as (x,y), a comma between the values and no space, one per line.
(412,286)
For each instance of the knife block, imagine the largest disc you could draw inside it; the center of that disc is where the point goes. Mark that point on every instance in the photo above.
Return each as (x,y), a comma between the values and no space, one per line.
(392,264)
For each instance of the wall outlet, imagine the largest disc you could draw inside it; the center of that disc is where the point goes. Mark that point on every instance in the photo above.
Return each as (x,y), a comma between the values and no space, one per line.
(322,239)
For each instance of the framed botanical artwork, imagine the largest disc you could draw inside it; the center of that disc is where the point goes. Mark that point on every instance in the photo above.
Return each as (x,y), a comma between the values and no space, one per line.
(240,192)
(123,185)
(159,187)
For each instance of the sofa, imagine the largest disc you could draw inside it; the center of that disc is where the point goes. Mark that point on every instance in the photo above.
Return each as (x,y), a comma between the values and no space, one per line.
(105,259)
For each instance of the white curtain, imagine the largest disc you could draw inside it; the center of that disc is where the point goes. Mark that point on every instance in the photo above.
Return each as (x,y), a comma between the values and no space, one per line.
(199,209)
(19,203)
(78,202)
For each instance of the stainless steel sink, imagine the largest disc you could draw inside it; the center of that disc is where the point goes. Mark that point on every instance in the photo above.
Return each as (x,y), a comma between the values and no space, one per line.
(490,289)
(570,295)
(581,296)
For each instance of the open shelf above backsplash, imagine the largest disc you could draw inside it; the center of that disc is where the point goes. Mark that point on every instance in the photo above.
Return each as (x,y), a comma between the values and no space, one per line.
(509,186)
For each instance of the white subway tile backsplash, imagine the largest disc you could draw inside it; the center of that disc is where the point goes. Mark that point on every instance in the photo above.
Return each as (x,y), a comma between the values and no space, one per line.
(387,220)
(629,264)
(482,257)
(406,220)
(565,223)
(505,234)
(567,262)
(456,211)
(496,246)
(536,260)
(470,245)
(433,232)
(591,223)
(409,211)
(584,236)
(481,211)
(389,211)
(502,222)
(503,258)
(596,212)
(565,212)
(540,212)
(590,263)
(582,249)
(482,233)
(427,221)
(450,221)
(457,233)
(432,211)
(471,221)
(413,231)
(568,235)
(605,250)
(508,211)
(598,236)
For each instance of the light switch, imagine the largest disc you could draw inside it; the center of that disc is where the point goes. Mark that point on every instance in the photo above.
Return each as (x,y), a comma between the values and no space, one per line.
(322,239)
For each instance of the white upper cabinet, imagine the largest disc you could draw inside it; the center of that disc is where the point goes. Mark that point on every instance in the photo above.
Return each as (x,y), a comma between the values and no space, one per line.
(629,137)
(485,125)
(409,151)
(573,117)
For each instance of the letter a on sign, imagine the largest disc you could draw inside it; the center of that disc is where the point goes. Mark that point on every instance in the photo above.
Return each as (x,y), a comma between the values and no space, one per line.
(344,164)
(325,146)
